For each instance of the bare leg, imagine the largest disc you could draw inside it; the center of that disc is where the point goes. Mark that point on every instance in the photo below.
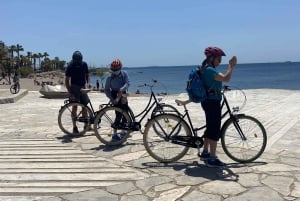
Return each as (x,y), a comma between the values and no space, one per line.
(74,115)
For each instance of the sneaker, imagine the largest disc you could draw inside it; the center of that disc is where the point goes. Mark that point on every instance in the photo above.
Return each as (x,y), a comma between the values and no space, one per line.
(115,138)
(214,162)
(204,156)
(75,130)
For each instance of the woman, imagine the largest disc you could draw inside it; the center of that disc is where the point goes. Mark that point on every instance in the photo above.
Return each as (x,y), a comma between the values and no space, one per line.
(212,106)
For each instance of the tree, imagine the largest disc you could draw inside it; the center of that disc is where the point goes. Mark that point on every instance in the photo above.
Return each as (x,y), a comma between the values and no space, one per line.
(19,48)
(34,56)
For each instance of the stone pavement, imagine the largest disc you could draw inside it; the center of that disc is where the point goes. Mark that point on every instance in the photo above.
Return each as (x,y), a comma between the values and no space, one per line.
(38,162)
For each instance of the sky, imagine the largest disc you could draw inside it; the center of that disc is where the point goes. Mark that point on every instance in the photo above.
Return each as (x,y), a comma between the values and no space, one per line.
(154,32)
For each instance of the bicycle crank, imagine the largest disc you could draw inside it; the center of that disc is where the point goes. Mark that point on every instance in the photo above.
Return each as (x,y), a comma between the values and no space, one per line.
(188,141)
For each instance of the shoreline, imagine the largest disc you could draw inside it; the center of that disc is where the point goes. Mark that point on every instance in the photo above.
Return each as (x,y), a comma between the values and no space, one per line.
(30,85)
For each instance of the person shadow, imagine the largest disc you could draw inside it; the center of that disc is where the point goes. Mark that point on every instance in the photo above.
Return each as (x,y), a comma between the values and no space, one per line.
(196,169)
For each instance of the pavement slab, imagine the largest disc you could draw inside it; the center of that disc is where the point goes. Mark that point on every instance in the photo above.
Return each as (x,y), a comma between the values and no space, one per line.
(38,162)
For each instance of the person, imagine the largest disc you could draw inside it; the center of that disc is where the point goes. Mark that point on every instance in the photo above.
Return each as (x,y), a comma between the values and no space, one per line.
(97,85)
(77,78)
(213,80)
(16,80)
(116,87)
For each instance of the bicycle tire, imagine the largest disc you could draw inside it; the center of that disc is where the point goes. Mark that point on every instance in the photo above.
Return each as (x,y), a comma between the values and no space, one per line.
(65,120)
(158,145)
(243,150)
(14,89)
(104,126)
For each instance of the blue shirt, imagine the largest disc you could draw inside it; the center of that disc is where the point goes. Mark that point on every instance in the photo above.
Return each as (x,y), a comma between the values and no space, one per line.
(116,83)
(211,84)
(77,73)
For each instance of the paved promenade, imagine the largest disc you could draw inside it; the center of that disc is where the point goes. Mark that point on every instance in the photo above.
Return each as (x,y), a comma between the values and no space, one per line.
(39,163)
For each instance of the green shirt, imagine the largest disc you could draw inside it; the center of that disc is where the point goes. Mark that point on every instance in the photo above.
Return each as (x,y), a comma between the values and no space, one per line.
(211,84)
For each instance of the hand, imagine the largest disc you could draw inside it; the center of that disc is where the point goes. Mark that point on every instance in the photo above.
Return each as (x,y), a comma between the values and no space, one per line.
(232,62)
(120,94)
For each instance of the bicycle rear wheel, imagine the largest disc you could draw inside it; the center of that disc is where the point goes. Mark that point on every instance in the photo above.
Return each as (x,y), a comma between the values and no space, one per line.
(243,138)
(158,136)
(111,129)
(68,118)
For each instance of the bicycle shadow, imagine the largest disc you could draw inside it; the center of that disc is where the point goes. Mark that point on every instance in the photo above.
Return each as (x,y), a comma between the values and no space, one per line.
(195,169)
(108,148)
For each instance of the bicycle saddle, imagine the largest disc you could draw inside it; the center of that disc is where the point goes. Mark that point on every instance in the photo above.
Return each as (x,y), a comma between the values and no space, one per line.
(180,102)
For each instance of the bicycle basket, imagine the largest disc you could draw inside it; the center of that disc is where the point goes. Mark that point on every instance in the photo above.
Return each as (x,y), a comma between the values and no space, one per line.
(236,98)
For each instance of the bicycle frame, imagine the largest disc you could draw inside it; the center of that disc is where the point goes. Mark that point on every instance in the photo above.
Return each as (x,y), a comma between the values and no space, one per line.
(147,109)
(228,111)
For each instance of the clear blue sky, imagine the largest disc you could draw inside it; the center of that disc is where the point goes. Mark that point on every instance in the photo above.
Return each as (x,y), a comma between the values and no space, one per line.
(154,32)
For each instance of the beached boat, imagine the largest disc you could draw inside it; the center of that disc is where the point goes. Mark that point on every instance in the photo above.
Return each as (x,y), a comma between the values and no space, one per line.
(56,91)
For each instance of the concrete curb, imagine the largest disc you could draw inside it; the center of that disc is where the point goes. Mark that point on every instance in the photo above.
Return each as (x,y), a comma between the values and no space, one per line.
(7,97)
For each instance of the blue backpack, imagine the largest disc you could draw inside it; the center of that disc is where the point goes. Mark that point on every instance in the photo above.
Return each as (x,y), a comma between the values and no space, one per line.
(195,88)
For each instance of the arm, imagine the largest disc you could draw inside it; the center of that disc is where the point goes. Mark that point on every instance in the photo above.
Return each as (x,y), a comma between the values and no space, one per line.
(226,77)
(127,82)
(67,84)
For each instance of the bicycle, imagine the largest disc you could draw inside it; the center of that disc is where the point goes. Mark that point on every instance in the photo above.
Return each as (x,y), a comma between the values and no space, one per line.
(83,120)
(106,118)
(15,88)
(243,137)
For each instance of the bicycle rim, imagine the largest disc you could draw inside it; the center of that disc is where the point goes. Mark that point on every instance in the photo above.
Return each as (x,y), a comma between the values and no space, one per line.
(239,149)
(156,142)
(107,130)
(66,118)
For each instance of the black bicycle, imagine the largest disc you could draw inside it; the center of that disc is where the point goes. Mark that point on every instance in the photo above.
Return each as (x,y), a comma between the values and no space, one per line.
(106,125)
(243,137)
(73,113)
(15,88)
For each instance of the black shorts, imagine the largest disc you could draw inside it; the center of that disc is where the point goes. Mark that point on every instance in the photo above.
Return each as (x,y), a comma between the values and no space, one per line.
(212,109)
(80,97)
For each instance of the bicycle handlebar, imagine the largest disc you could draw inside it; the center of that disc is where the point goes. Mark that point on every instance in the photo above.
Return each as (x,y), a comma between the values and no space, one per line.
(148,85)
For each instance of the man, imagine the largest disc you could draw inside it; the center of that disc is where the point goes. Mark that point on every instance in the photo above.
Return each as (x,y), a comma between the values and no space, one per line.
(76,78)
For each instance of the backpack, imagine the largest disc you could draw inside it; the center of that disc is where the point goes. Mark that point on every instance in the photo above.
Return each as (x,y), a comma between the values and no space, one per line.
(195,87)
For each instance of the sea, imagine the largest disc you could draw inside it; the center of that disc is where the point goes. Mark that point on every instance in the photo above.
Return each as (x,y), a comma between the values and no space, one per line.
(172,79)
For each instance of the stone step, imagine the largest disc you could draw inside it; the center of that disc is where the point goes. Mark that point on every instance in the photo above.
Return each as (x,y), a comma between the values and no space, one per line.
(47,167)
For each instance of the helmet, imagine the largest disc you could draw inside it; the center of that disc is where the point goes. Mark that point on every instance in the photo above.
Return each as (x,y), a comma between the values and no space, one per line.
(116,65)
(77,57)
(214,51)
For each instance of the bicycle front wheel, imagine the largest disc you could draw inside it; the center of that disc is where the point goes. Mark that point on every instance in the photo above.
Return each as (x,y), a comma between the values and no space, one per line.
(111,125)
(14,89)
(243,138)
(74,114)
(158,136)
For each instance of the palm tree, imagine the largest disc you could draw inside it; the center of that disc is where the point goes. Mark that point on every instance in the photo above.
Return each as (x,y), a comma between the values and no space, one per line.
(40,56)
(19,48)
(34,56)
(29,57)
(45,55)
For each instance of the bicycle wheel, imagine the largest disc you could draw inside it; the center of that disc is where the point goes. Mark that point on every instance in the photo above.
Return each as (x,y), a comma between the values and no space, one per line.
(243,138)
(68,118)
(14,89)
(111,125)
(158,142)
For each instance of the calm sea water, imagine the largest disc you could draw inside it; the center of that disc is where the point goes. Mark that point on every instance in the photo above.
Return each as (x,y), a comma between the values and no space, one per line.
(172,79)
